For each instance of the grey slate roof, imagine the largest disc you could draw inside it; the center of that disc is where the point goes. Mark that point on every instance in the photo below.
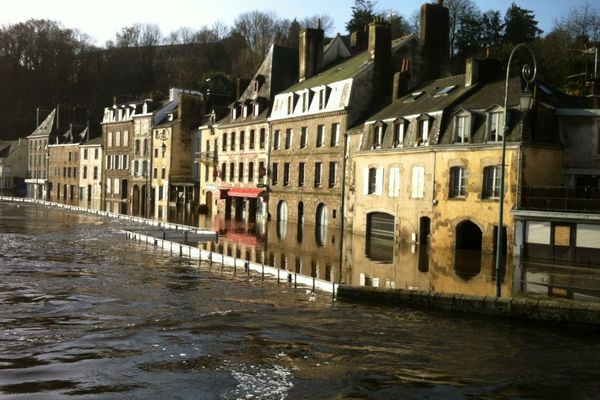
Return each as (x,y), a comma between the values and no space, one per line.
(46,127)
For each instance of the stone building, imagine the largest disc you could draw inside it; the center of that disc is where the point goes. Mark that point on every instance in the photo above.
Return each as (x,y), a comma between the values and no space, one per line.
(63,167)
(173,184)
(117,129)
(37,166)
(428,170)
(309,120)
(91,157)
(243,137)
(13,167)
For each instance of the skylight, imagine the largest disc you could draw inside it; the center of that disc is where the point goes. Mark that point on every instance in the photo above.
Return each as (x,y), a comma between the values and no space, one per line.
(444,91)
(413,96)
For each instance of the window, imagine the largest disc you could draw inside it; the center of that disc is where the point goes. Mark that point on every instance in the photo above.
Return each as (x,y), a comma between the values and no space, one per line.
(85,154)
(96,154)
(256,108)
(160,192)
(286,174)
(70,156)
(491,182)
(262,171)
(117,139)
(462,129)
(155,175)
(332,173)
(377,137)
(399,131)
(305,101)
(290,104)
(232,141)
(318,173)
(251,144)
(373,181)
(108,185)
(496,126)
(95,172)
(224,142)
(156,153)
(241,172)
(223,171)
(303,137)
(322,98)
(163,173)
(335,134)
(109,137)
(145,150)
(276,140)
(262,138)
(418,183)
(242,140)
(251,172)
(394,183)
(136,167)
(231,172)
(137,146)
(423,132)
(116,186)
(444,91)
(274,173)
(288,138)
(320,135)
(301,167)
(458,182)
(245,110)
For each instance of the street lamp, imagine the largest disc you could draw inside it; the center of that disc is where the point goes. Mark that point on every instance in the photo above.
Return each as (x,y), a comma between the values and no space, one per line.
(529,76)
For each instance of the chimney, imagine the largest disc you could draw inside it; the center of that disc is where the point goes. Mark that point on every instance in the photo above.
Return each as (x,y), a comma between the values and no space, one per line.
(380,54)
(401,81)
(358,40)
(471,72)
(434,33)
(310,49)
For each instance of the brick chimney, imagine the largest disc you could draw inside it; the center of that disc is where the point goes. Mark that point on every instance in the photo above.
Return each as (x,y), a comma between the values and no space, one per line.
(479,71)
(434,33)
(358,40)
(310,52)
(380,54)
(401,81)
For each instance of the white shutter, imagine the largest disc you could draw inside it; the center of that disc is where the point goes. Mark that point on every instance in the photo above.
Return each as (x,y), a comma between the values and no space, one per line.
(379,182)
(366,181)
(537,232)
(588,236)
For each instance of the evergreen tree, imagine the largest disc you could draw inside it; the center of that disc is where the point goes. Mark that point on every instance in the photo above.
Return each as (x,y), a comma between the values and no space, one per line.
(520,25)
(363,13)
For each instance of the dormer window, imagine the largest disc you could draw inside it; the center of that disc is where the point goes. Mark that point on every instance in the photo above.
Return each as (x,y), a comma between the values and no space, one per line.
(256,109)
(413,96)
(290,104)
(244,111)
(234,113)
(495,125)
(322,98)
(423,133)
(377,136)
(400,128)
(462,128)
(255,86)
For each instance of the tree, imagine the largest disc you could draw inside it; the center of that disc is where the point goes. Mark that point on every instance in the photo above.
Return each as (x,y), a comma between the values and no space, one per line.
(491,29)
(467,39)
(582,22)
(325,21)
(363,13)
(399,26)
(520,25)
(459,11)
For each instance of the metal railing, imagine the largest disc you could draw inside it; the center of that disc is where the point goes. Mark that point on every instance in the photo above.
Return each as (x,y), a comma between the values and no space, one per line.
(560,198)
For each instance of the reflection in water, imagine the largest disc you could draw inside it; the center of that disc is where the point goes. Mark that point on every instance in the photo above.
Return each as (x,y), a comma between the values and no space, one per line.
(377,260)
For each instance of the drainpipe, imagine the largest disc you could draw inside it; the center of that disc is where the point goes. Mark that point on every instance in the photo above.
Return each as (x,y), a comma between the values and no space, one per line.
(343,205)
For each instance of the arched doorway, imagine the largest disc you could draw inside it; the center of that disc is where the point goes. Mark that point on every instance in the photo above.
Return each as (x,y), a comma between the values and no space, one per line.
(467,259)
(144,201)
(136,200)
(380,237)
(282,211)
(321,215)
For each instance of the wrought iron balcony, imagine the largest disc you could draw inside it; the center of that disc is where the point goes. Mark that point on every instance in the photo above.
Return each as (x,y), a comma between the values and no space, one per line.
(560,199)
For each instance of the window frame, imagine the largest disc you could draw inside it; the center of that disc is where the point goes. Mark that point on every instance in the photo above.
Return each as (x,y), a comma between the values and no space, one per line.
(457,186)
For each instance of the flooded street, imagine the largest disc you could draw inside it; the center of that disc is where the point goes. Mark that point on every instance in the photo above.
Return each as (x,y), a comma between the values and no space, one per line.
(88,314)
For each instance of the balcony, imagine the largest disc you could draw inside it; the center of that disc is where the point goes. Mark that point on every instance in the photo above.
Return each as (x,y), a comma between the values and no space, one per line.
(206,156)
(560,199)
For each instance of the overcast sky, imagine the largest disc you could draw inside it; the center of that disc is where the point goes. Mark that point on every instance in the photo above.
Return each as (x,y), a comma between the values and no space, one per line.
(102,19)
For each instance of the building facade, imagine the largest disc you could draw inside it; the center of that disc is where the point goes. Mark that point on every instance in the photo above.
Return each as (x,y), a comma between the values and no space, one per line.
(13,167)
(37,166)
(91,159)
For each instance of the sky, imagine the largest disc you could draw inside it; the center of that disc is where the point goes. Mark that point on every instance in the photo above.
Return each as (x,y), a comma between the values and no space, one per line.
(103,18)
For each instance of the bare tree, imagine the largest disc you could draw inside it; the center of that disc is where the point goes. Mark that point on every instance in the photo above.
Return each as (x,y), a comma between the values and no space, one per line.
(325,21)
(581,22)
(183,35)
(459,10)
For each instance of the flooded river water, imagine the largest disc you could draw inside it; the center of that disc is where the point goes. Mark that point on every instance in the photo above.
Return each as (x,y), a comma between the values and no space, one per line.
(87,314)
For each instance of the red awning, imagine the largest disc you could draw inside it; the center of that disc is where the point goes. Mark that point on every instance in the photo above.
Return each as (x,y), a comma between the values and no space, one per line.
(251,193)
(220,193)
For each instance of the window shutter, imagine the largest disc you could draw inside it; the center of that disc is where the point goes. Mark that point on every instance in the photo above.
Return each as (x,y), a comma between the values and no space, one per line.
(379,182)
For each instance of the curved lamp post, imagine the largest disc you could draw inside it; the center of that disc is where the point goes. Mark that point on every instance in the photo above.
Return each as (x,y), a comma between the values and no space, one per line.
(529,76)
